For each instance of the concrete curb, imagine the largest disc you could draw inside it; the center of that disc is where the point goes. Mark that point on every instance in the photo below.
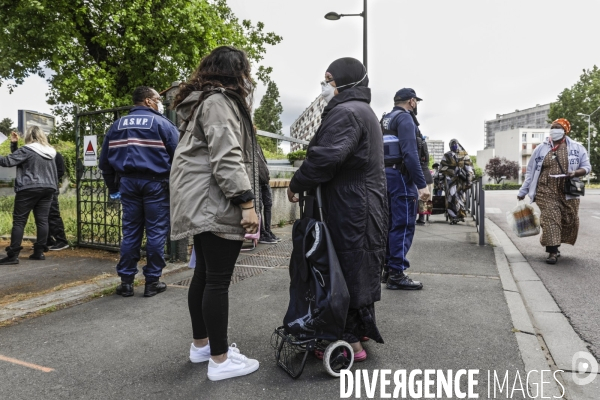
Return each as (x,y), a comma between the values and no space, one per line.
(68,296)
(537,319)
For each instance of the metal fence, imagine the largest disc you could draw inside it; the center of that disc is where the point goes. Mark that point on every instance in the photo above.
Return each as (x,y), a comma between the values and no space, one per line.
(98,218)
(476,206)
(99,223)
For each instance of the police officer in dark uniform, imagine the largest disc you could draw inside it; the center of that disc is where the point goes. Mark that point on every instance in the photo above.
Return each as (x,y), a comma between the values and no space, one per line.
(405,186)
(136,158)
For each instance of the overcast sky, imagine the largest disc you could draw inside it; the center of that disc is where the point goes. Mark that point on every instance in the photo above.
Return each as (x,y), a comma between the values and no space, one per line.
(468,59)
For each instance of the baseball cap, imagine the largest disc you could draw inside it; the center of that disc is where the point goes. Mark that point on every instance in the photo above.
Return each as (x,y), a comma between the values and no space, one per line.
(406,94)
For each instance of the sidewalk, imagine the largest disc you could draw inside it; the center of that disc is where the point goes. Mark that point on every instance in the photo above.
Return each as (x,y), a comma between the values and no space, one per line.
(116,347)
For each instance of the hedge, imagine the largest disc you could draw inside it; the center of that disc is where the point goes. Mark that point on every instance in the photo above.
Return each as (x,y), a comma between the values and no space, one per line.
(502,186)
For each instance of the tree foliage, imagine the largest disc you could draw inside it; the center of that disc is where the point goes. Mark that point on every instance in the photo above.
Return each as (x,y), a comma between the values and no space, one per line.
(98,51)
(7,126)
(476,168)
(267,117)
(498,167)
(582,97)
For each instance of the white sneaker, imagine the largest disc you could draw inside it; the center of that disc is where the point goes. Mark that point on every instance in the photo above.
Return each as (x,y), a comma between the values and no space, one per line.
(236,364)
(199,354)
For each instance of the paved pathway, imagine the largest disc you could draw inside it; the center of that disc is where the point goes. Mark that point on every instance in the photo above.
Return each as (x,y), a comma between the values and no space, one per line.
(124,348)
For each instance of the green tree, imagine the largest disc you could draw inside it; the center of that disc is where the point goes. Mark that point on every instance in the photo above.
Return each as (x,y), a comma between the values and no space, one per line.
(582,97)
(501,168)
(6,126)
(99,51)
(267,117)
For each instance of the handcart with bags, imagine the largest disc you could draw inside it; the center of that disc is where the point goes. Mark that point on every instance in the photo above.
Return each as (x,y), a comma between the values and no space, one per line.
(438,203)
(319,298)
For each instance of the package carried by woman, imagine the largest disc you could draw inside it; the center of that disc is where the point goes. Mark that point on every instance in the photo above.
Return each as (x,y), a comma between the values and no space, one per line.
(524,220)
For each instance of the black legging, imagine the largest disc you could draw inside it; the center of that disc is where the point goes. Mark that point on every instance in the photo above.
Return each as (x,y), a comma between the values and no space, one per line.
(208,297)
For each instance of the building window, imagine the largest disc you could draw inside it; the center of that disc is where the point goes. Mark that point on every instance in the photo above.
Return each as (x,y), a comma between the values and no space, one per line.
(524,137)
(524,146)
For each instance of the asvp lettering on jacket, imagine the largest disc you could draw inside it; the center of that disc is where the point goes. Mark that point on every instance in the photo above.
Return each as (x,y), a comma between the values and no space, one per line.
(135,122)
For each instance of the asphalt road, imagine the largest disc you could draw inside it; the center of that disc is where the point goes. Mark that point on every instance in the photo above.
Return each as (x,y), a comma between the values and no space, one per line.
(574,281)
(136,347)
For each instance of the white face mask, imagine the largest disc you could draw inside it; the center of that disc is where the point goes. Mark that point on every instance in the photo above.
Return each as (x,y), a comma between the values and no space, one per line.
(556,134)
(161,107)
(327,92)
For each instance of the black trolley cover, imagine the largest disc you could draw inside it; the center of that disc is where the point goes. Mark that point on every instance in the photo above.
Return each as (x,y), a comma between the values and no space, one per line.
(319,297)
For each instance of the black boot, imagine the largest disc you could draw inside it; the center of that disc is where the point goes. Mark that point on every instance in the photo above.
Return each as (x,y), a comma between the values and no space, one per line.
(12,256)
(154,288)
(385,274)
(38,252)
(125,289)
(398,280)
(421,220)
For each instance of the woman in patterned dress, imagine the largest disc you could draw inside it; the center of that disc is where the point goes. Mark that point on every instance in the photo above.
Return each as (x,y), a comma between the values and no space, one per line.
(560,212)
(457,168)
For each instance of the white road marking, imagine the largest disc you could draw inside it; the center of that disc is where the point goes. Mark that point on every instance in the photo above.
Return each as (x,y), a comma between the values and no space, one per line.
(593,216)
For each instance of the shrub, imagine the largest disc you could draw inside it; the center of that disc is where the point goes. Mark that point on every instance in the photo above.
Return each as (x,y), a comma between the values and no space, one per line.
(502,186)
(296,155)
(269,155)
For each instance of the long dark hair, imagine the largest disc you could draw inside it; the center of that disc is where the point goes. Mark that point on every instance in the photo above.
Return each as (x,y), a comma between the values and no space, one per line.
(226,67)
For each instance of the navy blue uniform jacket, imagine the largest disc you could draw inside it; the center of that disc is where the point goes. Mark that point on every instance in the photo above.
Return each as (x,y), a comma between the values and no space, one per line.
(139,145)
(402,123)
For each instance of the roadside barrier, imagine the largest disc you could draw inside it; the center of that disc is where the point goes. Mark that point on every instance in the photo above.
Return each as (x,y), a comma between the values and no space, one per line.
(476,206)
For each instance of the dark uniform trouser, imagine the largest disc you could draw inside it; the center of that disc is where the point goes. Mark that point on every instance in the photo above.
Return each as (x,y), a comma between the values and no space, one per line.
(267,202)
(56,227)
(402,220)
(145,204)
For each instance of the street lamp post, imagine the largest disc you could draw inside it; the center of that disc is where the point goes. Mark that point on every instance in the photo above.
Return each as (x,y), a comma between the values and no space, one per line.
(589,117)
(333,16)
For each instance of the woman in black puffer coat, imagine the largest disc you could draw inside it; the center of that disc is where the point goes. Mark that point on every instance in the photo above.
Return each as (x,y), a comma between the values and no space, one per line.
(345,157)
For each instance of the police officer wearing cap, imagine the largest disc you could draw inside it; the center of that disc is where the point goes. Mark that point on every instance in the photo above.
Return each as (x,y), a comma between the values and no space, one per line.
(136,158)
(405,186)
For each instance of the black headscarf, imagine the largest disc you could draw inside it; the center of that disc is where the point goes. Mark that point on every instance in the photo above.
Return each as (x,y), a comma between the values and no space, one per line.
(347,71)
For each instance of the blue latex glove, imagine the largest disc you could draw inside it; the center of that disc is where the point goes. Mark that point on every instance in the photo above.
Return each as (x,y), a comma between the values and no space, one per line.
(115,196)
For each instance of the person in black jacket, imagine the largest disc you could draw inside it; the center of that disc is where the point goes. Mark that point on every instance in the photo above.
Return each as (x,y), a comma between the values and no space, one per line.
(345,157)
(57,239)
(266,199)
(35,185)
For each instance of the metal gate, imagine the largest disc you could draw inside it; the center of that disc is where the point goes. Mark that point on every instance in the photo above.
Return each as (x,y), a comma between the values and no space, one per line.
(98,217)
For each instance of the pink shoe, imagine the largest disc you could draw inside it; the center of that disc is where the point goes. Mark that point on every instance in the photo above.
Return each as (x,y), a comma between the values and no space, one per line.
(360,356)
(319,354)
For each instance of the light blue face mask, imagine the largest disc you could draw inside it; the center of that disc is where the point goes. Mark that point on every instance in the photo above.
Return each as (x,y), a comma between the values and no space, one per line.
(556,134)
